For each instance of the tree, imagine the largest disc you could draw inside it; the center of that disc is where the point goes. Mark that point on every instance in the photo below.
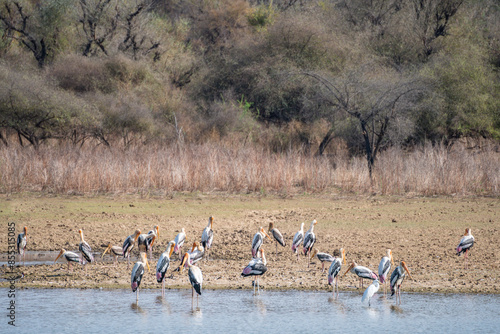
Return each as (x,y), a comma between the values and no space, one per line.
(374,100)
(36,28)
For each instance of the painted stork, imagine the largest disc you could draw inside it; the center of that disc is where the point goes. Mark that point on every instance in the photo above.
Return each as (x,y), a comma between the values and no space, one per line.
(179,241)
(335,268)
(397,278)
(256,267)
(465,245)
(69,256)
(322,257)
(370,291)
(163,264)
(86,251)
(362,272)
(258,240)
(128,245)
(153,235)
(384,268)
(145,242)
(196,253)
(278,237)
(21,243)
(207,236)
(115,251)
(137,274)
(297,240)
(309,240)
(195,277)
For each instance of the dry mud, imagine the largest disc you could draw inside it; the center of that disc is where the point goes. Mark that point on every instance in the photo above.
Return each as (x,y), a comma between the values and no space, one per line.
(422,232)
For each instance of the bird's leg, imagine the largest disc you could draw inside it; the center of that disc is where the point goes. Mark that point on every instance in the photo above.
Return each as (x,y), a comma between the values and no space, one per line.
(322,267)
(276,250)
(137,296)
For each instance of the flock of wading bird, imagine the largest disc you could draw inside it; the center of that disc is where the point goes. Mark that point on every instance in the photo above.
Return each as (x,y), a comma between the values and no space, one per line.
(257,265)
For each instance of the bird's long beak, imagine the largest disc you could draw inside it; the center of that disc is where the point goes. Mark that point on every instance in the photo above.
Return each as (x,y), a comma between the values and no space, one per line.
(171,249)
(108,248)
(406,268)
(58,256)
(25,231)
(390,255)
(184,259)
(194,246)
(350,267)
(137,236)
(81,234)
(343,257)
(211,222)
(315,222)
(157,231)
(265,233)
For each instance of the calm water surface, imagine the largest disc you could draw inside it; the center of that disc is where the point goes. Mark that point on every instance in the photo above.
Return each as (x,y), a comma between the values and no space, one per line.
(237,311)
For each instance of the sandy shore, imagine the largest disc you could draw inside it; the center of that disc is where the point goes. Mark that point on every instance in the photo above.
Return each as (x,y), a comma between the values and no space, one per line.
(422,232)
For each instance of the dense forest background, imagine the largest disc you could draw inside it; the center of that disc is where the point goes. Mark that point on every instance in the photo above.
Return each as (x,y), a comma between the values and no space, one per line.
(341,79)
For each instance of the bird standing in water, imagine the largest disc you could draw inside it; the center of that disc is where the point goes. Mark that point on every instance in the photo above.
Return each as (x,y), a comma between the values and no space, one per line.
(163,264)
(397,278)
(335,268)
(137,274)
(370,291)
(384,268)
(256,267)
(195,277)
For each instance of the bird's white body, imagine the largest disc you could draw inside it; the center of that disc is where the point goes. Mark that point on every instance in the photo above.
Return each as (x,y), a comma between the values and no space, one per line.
(370,291)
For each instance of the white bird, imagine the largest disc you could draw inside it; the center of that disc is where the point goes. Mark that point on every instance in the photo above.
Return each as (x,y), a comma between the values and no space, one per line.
(334,270)
(256,267)
(180,238)
(258,240)
(384,268)
(21,243)
(195,277)
(370,291)
(137,274)
(163,264)
(297,240)
(322,257)
(69,256)
(465,245)
(397,278)
(361,272)
(128,245)
(309,240)
(207,236)
(86,251)
(278,237)
(115,250)
(196,253)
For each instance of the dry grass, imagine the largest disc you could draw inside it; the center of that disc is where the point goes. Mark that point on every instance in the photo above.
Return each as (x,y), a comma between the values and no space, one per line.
(242,169)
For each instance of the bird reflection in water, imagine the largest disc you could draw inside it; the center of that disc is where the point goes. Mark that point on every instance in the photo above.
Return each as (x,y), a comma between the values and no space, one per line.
(260,305)
(163,302)
(396,309)
(339,304)
(137,309)
(196,312)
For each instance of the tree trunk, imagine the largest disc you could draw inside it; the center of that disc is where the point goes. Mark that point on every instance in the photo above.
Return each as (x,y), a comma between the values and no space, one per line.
(324,143)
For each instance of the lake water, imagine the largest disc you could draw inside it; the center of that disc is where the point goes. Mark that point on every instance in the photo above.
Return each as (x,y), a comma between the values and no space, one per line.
(239,311)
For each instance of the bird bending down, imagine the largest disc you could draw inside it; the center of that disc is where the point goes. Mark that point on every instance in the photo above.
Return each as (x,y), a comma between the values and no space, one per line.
(334,270)
(309,240)
(196,253)
(361,272)
(297,240)
(21,243)
(207,236)
(145,241)
(137,273)
(69,256)
(163,264)
(128,245)
(256,267)
(258,240)
(465,245)
(195,277)
(370,291)
(86,251)
(322,257)
(115,251)
(384,268)
(397,278)
(278,237)
(179,240)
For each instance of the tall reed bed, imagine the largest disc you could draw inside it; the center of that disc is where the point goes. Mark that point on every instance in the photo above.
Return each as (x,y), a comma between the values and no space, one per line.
(211,167)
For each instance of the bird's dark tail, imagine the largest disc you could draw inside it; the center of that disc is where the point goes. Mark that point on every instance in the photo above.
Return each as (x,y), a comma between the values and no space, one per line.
(197,288)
